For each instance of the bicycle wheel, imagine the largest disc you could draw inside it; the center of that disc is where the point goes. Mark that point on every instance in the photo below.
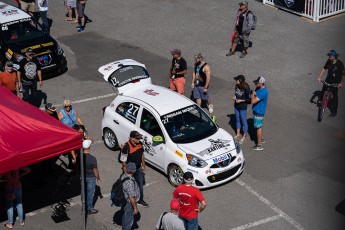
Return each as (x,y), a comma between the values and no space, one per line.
(323,107)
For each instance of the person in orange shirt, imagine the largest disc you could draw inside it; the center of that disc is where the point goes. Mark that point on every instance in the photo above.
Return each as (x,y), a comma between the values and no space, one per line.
(9,78)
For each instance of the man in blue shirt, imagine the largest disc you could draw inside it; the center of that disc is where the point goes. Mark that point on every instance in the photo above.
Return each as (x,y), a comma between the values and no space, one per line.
(259,101)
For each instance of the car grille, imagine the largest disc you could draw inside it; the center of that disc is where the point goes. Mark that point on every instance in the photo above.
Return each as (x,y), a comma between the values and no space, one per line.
(223,175)
(223,163)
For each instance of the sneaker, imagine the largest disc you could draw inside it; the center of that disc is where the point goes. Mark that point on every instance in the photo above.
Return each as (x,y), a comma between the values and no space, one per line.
(230,54)
(80,30)
(143,203)
(93,211)
(243,54)
(263,141)
(257,148)
(78,26)
(242,140)
(210,108)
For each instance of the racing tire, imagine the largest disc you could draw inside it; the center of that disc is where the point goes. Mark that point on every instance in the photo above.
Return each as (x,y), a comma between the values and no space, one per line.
(322,108)
(110,139)
(175,175)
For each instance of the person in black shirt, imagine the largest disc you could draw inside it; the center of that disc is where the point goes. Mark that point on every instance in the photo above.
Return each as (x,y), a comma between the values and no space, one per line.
(28,74)
(335,75)
(177,72)
(133,152)
(241,101)
(243,27)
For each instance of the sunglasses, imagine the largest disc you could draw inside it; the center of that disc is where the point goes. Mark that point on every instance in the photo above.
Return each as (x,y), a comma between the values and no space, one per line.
(68,106)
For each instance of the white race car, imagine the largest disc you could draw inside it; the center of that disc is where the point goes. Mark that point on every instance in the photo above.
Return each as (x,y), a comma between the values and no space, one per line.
(178,136)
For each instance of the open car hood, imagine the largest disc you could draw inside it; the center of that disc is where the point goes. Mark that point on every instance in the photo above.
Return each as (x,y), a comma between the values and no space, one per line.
(125,75)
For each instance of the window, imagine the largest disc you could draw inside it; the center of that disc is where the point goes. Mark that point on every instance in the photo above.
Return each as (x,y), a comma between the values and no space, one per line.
(149,124)
(128,110)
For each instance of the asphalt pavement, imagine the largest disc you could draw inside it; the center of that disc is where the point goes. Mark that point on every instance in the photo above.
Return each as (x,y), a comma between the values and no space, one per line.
(295,183)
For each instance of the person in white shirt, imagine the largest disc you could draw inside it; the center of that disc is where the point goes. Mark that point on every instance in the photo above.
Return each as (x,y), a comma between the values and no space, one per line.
(43,8)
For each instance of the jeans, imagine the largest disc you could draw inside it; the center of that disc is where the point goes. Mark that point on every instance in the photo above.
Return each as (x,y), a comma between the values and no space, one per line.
(139,178)
(19,206)
(241,116)
(127,217)
(27,88)
(44,20)
(190,224)
(90,192)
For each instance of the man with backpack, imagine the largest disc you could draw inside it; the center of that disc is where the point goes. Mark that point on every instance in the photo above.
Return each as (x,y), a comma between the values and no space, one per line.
(170,220)
(132,196)
(133,151)
(245,23)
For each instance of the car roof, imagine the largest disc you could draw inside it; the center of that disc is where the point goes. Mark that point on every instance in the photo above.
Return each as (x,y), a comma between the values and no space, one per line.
(9,13)
(162,99)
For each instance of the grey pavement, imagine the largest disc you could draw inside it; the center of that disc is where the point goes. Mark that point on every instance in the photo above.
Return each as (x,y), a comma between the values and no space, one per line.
(295,183)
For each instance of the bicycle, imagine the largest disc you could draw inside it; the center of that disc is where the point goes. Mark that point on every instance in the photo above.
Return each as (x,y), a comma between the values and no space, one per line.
(327,95)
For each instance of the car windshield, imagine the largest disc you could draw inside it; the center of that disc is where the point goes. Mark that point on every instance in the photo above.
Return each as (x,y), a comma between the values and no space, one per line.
(25,30)
(188,125)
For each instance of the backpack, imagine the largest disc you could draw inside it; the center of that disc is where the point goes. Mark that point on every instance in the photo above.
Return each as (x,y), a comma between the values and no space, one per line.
(117,196)
(255,20)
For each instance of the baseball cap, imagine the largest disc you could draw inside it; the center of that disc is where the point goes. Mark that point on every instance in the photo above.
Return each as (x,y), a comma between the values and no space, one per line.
(135,134)
(9,63)
(87,144)
(260,80)
(130,167)
(176,51)
(240,77)
(243,3)
(175,204)
(332,53)
(50,107)
(188,177)
(199,56)
(29,51)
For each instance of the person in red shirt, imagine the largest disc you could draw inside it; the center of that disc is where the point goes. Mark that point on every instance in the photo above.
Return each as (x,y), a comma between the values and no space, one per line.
(9,78)
(189,197)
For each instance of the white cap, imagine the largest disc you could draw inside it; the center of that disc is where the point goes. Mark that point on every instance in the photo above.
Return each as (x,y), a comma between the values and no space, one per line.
(86,144)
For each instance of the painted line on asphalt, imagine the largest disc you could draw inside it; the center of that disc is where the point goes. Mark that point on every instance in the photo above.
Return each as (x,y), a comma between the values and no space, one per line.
(256,223)
(270,205)
(86,100)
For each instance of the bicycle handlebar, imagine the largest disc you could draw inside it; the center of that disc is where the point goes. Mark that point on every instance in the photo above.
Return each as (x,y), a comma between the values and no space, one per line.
(330,85)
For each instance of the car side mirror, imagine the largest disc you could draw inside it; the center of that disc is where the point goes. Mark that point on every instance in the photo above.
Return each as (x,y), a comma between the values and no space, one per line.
(157,139)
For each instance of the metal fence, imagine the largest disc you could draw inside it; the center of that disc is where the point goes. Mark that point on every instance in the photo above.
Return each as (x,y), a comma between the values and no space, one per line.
(316,9)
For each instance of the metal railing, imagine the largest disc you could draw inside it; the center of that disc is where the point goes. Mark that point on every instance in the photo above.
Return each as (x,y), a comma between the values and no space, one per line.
(316,9)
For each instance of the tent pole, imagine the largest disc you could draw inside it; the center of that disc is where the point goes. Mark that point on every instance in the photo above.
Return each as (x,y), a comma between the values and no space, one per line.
(82,176)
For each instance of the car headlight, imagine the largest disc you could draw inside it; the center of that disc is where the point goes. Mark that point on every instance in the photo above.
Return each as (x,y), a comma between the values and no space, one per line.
(18,57)
(195,161)
(60,50)
(238,147)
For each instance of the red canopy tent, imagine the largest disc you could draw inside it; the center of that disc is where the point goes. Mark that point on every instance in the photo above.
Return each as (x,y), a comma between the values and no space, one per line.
(28,135)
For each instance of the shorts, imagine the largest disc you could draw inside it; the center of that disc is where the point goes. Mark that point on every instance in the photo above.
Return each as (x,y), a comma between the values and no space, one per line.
(177,84)
(81,9)
(244,38)
(28,6)
(258,120)
(198,93)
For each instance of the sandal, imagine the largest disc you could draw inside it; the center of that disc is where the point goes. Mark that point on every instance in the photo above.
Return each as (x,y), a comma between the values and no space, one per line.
(75,22)
(241,141)
(8,225)
(22,223)
(236,137)
(67,19)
